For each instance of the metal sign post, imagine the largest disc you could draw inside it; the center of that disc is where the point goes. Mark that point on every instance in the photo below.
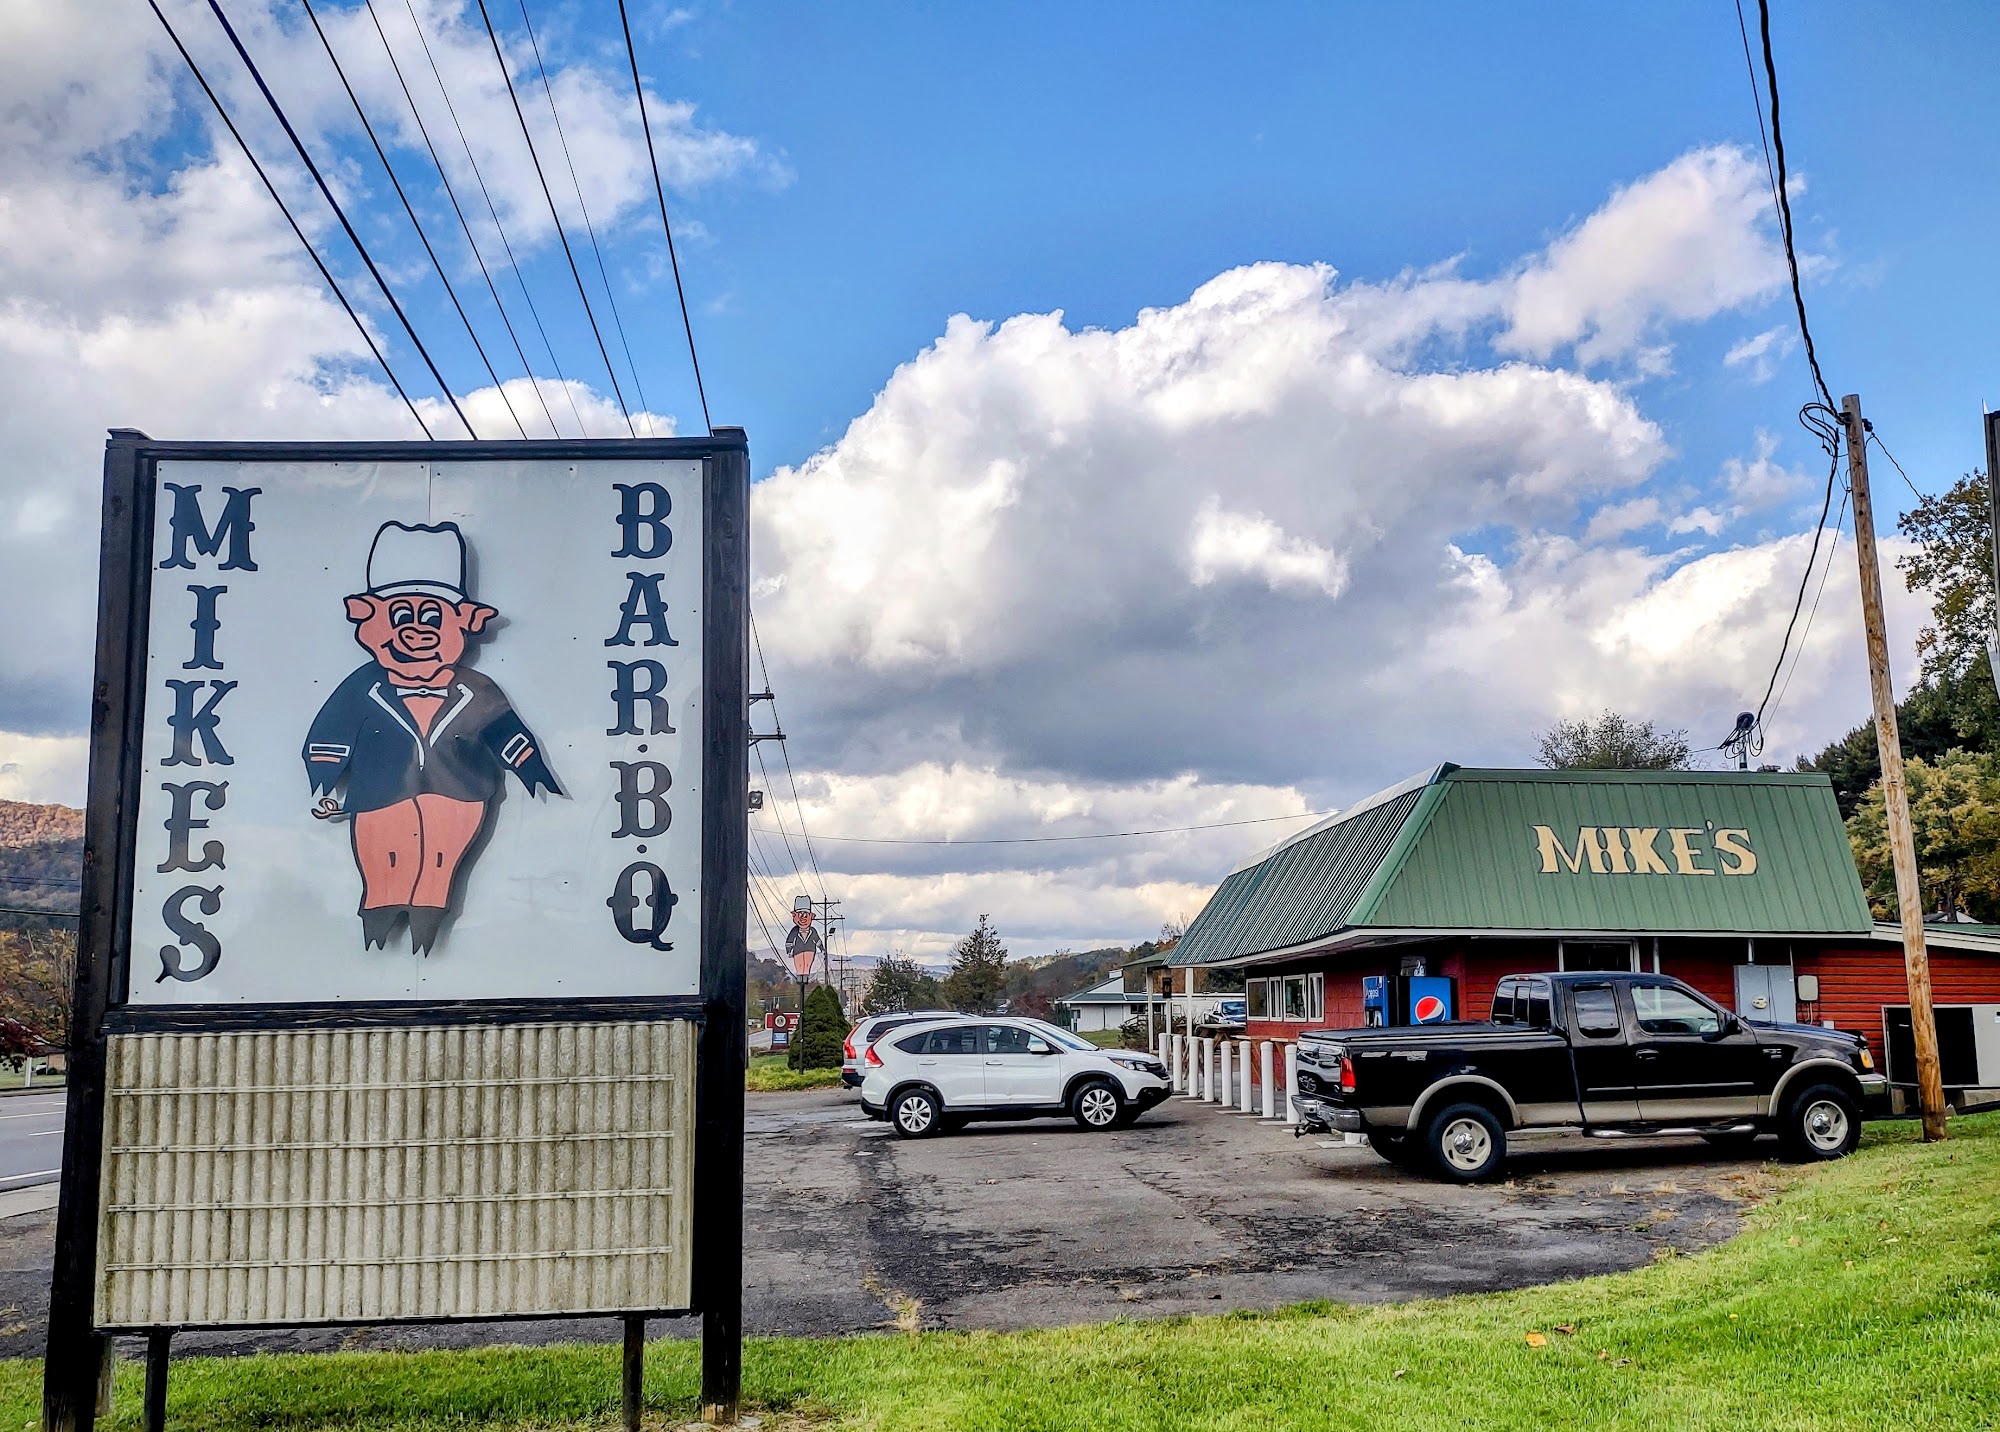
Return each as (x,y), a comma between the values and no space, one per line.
(414,889)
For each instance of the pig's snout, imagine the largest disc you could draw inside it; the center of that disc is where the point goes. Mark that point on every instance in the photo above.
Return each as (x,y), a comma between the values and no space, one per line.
(418,640)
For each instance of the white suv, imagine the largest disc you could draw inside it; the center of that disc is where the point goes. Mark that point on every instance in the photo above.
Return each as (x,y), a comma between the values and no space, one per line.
(873,1028)
(947,1072)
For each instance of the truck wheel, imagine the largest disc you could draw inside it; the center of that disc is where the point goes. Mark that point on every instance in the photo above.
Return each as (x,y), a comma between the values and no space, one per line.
(1823,1123)
(1465,1142)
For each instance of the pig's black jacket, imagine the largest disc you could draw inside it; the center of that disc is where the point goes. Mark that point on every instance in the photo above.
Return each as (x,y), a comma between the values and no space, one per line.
(365,734)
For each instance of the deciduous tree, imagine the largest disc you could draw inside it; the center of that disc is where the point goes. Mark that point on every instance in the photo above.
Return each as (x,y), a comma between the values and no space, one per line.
(1955,825)
(1613,743)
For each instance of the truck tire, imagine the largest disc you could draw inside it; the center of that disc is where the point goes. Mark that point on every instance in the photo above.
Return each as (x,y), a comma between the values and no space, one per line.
(1465,1142)
(1821,1123)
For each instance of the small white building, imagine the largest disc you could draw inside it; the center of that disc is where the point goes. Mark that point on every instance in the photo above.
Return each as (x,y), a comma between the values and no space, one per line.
(1103,1006)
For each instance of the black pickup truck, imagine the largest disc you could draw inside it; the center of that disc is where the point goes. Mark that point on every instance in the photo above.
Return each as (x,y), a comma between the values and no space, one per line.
(1606,1055)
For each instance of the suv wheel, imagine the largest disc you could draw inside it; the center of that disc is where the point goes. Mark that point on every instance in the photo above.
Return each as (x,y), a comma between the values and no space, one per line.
(1097,1106)
(915,1114)
(1465,1142)
(1823,1123)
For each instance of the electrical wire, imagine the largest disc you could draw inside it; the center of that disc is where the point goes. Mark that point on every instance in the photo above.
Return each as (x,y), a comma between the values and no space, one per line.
(1838,523)
(451,193)
(339,213)
(283,208)
(507,79)
(1876,438)
(617,320)
(1095,835)
(51,914)
(494,213)
(784,750)
(1757,102)
(1785,204)
(416,223)
(1829,439)
(659,189)
(38,882)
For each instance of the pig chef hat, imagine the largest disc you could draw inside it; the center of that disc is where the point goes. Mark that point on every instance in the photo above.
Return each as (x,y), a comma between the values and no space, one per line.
(418,560)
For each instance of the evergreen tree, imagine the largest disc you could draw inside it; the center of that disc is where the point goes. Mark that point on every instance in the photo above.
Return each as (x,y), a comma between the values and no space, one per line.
(822,1030)
(978,971)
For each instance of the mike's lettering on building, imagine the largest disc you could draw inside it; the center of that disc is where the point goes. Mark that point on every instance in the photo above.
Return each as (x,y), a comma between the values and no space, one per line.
(1676,850)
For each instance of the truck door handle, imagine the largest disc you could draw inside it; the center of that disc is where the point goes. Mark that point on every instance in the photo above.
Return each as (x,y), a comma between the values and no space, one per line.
(1645,1054)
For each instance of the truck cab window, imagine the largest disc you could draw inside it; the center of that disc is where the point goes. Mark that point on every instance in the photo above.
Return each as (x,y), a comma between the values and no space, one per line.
(1662,1010)
(1596,1011)
(1503,1002)
(1532,1005)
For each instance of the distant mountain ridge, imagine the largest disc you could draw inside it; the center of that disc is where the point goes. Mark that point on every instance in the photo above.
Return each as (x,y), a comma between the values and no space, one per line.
(41,859)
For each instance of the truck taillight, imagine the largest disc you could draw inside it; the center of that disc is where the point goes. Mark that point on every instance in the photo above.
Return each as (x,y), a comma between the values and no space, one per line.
(871,1058)
(1346,1076)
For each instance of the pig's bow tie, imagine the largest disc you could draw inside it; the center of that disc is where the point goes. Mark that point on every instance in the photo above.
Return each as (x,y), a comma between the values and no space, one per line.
(438,691)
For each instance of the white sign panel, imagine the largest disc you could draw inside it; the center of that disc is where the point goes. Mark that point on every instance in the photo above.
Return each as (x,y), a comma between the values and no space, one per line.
(421,731)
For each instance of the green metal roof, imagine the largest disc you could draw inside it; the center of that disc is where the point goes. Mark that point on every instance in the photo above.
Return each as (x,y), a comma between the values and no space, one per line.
(1720,852)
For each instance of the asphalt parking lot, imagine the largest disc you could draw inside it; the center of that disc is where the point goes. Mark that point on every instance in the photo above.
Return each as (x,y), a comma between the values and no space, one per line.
(1033,1224)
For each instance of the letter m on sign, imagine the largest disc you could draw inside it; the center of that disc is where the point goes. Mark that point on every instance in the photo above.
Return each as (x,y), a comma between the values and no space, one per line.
(188,528)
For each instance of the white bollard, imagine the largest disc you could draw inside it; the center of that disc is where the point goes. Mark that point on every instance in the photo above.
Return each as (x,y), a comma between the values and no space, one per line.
(1187,1066)
(1270,1088)
(1207,1089)
(1160,1053)
(1178,1064)
(1249,1102)
(1291,1081)
(1226,1092)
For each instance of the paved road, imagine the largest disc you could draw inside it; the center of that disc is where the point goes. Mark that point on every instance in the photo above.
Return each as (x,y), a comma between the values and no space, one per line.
(1035,1224)
(30,1138)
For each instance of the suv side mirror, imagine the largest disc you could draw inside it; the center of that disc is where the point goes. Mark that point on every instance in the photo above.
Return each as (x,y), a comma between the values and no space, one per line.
(1038,1045)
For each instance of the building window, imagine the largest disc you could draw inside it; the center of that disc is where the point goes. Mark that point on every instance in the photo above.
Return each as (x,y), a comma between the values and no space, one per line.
(1258,997)
(1614,956)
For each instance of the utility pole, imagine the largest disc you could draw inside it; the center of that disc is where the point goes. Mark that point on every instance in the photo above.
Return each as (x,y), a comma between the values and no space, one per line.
(1895,797)
(826,921)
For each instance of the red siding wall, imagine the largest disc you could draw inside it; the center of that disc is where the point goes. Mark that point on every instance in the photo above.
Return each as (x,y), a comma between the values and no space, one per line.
(1855,984)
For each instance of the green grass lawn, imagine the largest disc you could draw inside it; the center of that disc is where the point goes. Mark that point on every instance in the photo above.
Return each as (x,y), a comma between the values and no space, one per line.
(768,1075)
(1103,1038)
(1865,1294)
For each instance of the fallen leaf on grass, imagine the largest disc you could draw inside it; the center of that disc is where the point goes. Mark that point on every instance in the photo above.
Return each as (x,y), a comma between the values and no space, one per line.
(1847,1262)
(1400,1372)
(1566,1329)
(1537,1340)
(1892,1240)
(1793,1241)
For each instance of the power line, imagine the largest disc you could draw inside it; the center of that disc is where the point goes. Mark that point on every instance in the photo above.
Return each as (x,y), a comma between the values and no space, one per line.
(283,208)
(1824,573)
(338,212)
(1831,441)
(494,213)
(617,321)
(36,881)
(507,79)
(1095,835)
(470,242)
(1876,438)
(415,222)
(659,189)
(1757,102)
(51,914)
(1785,204)
(784,750)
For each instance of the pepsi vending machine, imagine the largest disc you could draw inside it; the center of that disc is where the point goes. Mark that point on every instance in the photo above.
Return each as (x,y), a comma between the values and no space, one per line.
(1429,999)
(1374,1000)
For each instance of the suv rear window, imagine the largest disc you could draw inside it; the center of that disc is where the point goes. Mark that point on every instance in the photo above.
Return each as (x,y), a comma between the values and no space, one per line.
(964,1039)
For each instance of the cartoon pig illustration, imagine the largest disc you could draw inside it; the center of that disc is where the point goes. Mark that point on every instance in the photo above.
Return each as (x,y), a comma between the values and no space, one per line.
(414,745)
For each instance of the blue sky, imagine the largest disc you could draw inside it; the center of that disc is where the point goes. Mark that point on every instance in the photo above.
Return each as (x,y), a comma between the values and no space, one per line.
(1424,373)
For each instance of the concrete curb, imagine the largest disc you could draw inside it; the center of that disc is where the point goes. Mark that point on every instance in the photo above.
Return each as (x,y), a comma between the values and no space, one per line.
(36,1198)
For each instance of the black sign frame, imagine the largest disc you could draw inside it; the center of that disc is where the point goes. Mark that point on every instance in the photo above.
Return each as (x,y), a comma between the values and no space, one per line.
(78,1355)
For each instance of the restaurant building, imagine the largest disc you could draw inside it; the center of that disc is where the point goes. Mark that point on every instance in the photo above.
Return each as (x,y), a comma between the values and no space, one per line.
(1410,906)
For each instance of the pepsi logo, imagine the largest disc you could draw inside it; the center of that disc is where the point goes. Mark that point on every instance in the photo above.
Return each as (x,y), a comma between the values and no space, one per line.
(1429,1010)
